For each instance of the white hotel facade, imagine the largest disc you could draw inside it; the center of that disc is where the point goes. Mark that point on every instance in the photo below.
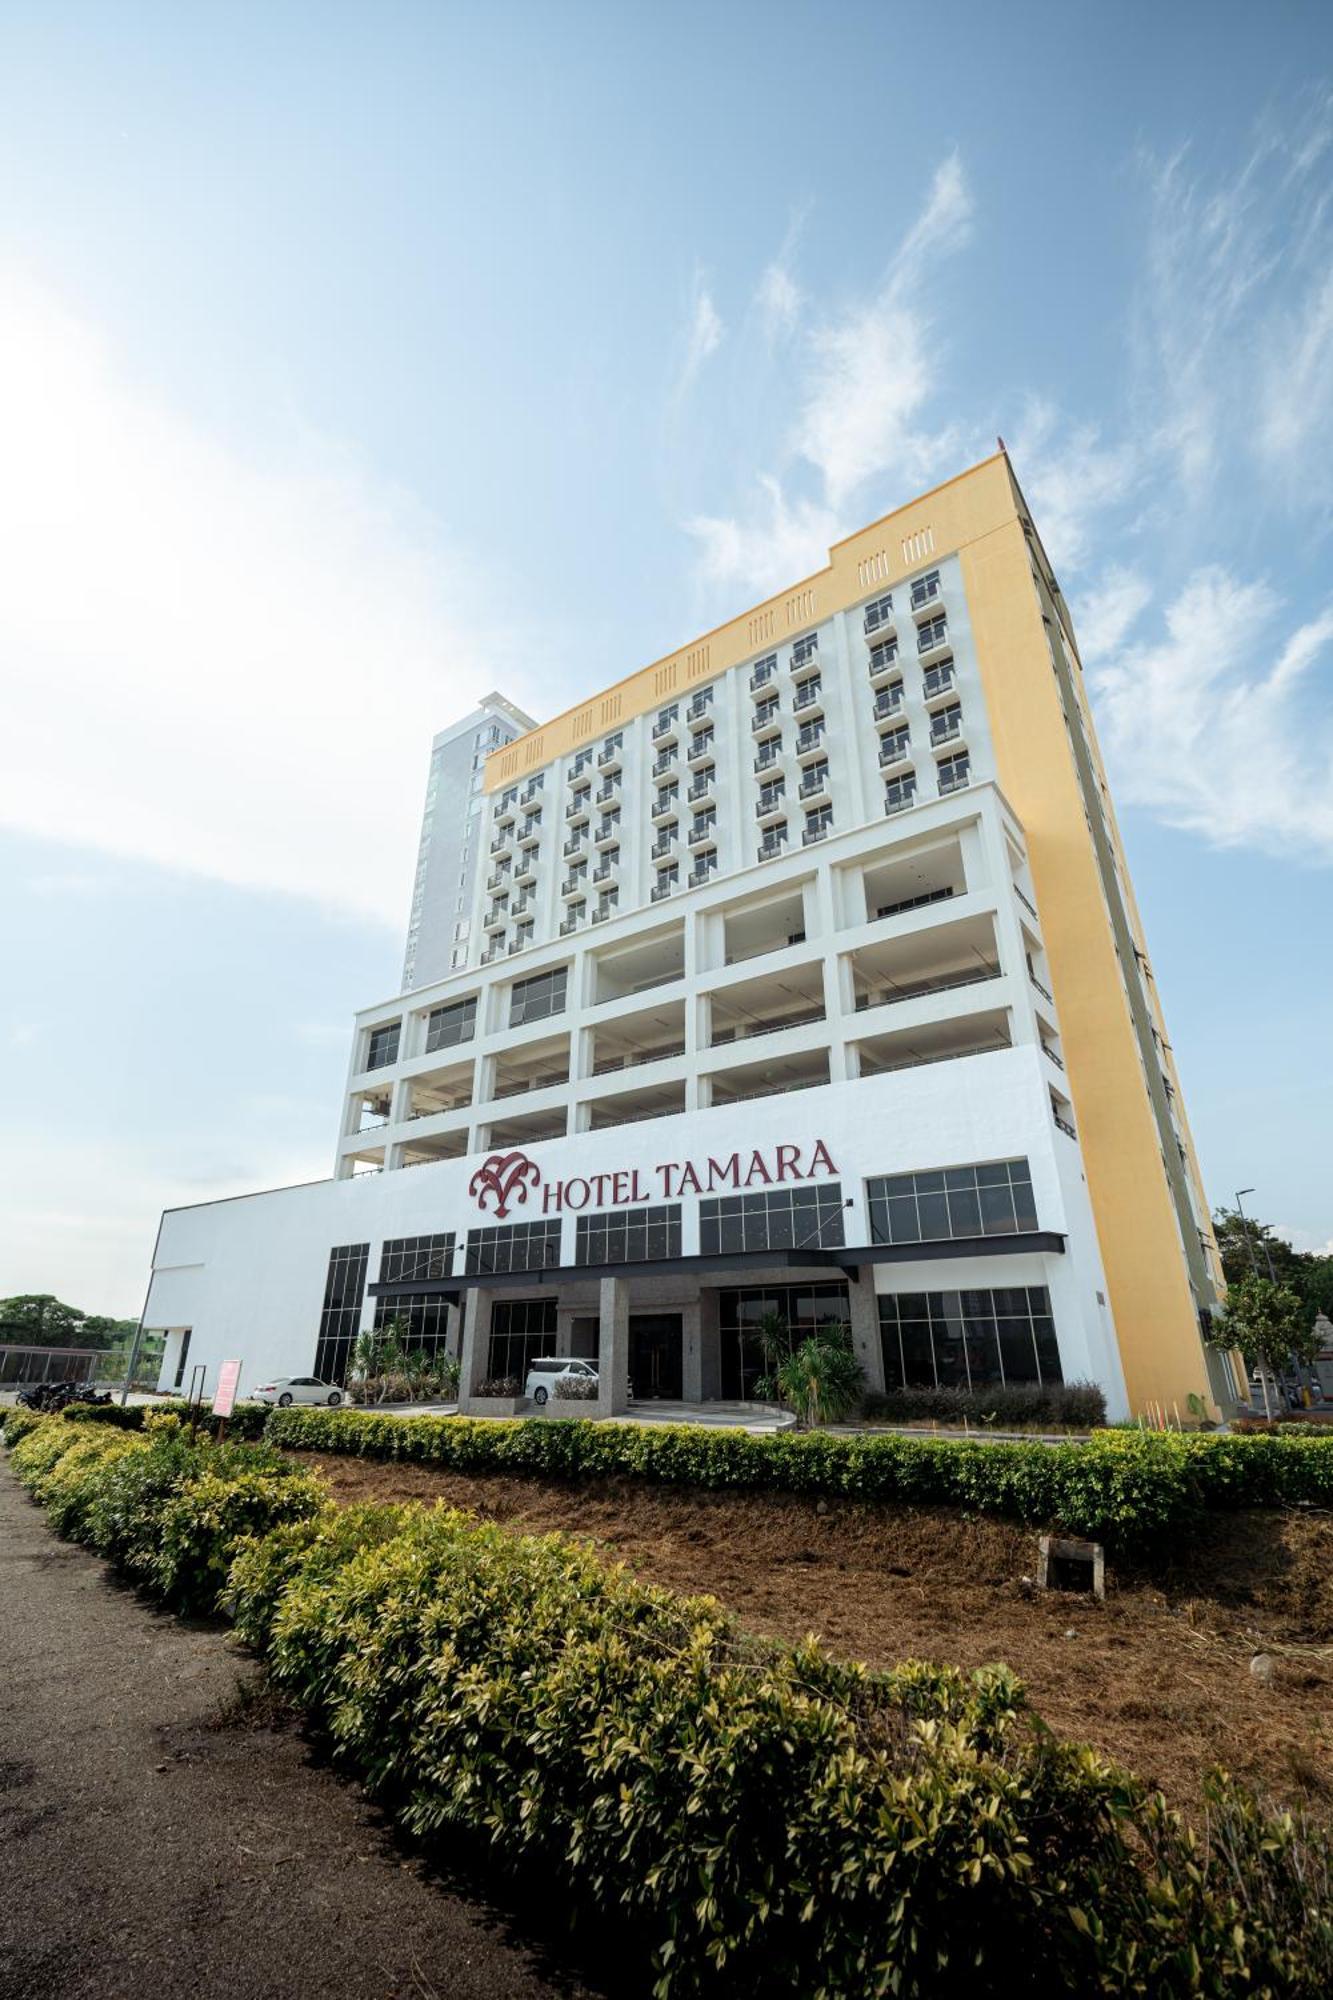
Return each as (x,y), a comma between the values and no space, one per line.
(803,973)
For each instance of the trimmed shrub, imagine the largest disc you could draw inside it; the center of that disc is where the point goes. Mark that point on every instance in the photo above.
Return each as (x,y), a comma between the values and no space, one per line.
(246,1421)
(575,1389)
(1025,1405)
(1122,1487)
(15,1423)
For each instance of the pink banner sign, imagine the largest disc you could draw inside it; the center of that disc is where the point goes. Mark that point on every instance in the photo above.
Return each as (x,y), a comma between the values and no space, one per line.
(224,1401)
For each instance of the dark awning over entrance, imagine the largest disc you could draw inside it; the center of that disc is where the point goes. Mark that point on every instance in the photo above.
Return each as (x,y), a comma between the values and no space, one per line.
(850,1261)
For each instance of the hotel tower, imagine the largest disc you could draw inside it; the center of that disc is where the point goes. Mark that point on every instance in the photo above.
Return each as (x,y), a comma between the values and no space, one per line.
(802,972)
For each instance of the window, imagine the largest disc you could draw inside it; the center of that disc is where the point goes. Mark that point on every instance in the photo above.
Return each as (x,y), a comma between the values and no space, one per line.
(925,589)
(404,1258)
(900,793)
(777,1219)
(954,772)
(534,999)
(628,1236)
(513,1246)
(424,1321)
(182,1357)
(521,1331)
(991,1199)
(937,680)
(446,1027)
(806,1309)
(340,1318)
(805,649)
(947,722)
(968,1339)
(895,744)
(879,613)
(817,824)
(933,632)
(382,1048)
(882,655)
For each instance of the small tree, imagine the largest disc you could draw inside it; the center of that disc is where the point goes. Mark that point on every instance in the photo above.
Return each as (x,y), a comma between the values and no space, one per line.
(822,1379)
(775,1344)
(1270,1326)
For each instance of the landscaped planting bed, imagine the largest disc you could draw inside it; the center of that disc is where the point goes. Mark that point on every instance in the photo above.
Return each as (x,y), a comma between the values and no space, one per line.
(758,1818)
(1127,1488)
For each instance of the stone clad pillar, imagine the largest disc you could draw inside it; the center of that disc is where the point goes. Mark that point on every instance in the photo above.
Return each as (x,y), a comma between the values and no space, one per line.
(613,1359)
(476,1345)
(863,1307)
(691,1353)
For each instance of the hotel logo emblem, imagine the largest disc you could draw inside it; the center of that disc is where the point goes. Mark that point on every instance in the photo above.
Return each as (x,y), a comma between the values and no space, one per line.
(507,1177)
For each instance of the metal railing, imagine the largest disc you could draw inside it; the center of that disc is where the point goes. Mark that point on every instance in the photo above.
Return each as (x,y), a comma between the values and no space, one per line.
(918,988)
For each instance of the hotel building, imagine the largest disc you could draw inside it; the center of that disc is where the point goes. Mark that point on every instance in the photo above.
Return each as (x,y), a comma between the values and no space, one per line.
(803,972)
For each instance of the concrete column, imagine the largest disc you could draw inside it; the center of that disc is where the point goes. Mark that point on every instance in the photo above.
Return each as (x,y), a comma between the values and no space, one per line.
(453,1330)
(864,1311)
(613,1360)
(476,1359)
(564,1330)
(710,1347)
(691,1353)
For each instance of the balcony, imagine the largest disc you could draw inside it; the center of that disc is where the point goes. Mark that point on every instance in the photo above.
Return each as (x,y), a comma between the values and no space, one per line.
(507,811)
(925,591)
(932,635)
(804,651)
(609,757)
(804,1069)
(772,844)
(938,681)
(526,872)
(935,1042)
(571,923)
(608,833)
(604,912)
(666,762)
(820,830)
(518,944)
(608,793)
(497,879)
(879,615)
(766,721)
(700,873)
(809,699)
(535,1066)
(889,702)
(769,758)
(768,1005)
(814,784)
(574,885)
(701,750)
(500,843)
(661,890)
(895,749)
(900,796)
(521,907)
(945,728)
(955,779)
(704,836)
(703,788)
(810,742)
(639,1039)
(772,924)
(641,966)
(762,676)
(530,792)
(698,708)
(575,845)
(942,958)
(492,952)
(666,728)
(917,881)
(772,804)
(634,1107)
(883,660)
(496,920)
(606,870)
(661,848)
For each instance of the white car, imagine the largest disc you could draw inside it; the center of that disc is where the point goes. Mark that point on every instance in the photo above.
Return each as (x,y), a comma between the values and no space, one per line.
(288,1389)
(545,1372)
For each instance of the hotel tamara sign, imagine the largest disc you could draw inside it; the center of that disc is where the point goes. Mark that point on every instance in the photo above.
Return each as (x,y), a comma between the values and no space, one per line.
(503,1180)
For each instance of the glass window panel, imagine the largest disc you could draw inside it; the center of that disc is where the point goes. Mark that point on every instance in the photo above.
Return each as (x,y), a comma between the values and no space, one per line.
(964,1212)
(929,1183)
(1025,1206)
(997,1211)
(904,1226)
(918,1356)
(1017,1349)
(934,1212)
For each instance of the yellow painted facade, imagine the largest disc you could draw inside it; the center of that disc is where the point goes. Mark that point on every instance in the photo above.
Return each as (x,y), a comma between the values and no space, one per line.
(1030,671)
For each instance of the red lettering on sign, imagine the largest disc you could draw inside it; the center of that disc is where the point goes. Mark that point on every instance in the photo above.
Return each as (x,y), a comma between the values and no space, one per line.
(821,1157)
(758,1171)
(619,1189)
(789,1163)
(724,1173)
(689,1180)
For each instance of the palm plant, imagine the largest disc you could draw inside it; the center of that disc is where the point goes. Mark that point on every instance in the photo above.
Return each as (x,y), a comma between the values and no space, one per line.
(821,1380)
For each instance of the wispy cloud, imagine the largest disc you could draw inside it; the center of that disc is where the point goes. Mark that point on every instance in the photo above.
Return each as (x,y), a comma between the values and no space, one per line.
(703,337)
(1219,725)
(1072,479)
(864,378)
(266,646)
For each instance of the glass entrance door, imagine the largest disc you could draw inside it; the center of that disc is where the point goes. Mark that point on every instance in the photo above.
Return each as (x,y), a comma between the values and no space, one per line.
(655,1356)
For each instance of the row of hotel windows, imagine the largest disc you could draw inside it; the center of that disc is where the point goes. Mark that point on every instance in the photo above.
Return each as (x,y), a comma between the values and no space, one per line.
(948,1339)
(992,1198)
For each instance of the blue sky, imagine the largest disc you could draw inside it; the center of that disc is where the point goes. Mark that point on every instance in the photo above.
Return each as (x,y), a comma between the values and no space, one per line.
(355,360)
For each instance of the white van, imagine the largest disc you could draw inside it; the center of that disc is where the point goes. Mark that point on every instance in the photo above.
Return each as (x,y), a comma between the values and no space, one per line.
(546,1371)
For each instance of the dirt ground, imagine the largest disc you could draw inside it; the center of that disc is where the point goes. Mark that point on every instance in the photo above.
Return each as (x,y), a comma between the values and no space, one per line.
(1158,1675)
(166,1830)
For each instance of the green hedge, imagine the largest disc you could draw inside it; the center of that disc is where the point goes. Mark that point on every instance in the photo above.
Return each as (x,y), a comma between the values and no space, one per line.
(1122,1487)
(247,1420)
(751,1818)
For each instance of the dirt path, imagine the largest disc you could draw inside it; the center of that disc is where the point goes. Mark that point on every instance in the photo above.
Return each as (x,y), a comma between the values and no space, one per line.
(1158,1676)
(164,1836)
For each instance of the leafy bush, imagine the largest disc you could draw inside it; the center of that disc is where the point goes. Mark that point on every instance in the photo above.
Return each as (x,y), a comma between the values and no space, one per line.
(1064,1405)
(1123,1487)
(575,1389)
(821,1380)
(501,1385)
(16,1423)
